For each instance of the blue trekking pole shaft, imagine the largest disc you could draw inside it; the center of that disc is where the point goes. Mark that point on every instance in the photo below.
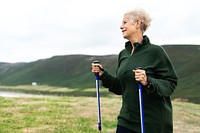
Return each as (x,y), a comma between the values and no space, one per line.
(98,98)
(141,105)
(141,108)
(98,102)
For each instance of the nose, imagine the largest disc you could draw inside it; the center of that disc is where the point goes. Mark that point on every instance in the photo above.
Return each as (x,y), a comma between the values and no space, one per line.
(121,27)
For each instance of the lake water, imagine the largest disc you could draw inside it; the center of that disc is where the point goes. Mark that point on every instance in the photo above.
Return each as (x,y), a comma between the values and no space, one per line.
(14,94)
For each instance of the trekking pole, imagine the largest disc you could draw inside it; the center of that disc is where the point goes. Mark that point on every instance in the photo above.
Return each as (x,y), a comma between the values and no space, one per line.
(98,98)
(141,105)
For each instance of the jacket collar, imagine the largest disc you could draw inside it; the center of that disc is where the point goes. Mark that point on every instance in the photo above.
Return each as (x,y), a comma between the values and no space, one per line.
(137,45)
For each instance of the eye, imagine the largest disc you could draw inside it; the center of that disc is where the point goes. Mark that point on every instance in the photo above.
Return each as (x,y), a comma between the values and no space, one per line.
(124,22)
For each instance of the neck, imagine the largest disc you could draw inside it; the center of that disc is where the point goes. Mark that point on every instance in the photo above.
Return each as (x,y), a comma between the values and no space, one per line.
(135,39)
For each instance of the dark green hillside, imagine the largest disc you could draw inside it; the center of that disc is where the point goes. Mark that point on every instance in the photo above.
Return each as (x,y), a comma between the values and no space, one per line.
(74,71)
(186,59)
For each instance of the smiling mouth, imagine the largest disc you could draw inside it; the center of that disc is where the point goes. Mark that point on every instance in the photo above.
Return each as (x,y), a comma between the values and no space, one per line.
(123,31)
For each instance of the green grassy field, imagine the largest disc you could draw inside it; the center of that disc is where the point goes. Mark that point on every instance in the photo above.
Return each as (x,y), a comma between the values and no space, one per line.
(78,114)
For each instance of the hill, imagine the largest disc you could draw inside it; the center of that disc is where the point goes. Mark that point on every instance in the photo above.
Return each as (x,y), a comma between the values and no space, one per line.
(186,62)
(74,71)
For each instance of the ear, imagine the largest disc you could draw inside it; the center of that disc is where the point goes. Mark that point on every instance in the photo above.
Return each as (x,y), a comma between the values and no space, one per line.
(138,24)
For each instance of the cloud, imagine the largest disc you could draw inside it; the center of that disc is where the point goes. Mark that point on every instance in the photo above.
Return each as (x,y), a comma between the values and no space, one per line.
(35,29)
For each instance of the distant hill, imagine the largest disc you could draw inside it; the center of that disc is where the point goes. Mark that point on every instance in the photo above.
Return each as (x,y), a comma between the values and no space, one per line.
(74,71)
(186,60)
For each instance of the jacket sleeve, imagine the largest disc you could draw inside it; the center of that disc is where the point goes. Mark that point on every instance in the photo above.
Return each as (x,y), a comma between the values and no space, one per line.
(165,81)
(111,82)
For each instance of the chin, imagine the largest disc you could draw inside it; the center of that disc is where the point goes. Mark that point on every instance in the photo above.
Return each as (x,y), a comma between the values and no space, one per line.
(125,36)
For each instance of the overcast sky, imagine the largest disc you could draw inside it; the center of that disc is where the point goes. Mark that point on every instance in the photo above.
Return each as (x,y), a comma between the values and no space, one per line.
(38,29)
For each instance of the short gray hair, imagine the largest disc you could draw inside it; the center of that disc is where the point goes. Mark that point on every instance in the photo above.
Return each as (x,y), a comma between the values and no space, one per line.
(142,15)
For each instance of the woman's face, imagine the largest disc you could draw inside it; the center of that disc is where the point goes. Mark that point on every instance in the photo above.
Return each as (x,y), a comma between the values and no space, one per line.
(128,27)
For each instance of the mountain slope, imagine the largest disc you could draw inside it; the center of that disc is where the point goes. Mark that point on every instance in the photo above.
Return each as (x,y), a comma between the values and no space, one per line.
(70,70)
(186,59)
(74,71)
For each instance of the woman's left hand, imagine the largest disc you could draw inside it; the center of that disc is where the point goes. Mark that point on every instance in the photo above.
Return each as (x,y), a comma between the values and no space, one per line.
(140,76)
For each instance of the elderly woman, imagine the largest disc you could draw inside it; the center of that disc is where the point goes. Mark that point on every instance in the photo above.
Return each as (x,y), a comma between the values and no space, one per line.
(157,76)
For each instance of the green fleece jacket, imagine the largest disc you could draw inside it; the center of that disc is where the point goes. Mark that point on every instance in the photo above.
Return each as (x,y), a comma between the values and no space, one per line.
(156,98)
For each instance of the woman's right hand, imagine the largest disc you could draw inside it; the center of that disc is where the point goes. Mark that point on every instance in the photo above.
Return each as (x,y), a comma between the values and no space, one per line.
(97,68)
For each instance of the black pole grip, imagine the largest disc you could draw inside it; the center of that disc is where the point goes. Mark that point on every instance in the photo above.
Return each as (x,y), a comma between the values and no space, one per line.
(136,69)
(97,62)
